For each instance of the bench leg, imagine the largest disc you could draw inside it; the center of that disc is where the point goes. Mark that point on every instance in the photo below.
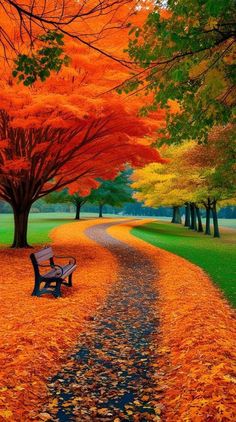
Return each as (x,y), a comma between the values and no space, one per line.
(36,290)
(57,292)
(70,281)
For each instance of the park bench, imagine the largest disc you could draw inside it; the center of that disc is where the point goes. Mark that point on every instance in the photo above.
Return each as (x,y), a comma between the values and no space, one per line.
(55,277)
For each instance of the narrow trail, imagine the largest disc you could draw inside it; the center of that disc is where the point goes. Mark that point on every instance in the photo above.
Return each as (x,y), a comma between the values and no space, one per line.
(110,376)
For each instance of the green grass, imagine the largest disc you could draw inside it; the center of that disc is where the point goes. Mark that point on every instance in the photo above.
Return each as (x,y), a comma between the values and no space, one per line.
(227,222)
(216,256)
(223,222)
(39,227)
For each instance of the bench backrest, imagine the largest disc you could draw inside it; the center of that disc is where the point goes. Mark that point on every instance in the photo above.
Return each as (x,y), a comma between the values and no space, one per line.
(44,254)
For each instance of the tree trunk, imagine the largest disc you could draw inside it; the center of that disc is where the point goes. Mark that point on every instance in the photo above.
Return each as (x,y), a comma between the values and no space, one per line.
(208,218)
(187,215)
(178,216)
(78,207)
(100,210)
(173,214)
(193,225)
(20,229)
(215,220)
(199,220)
(176,219)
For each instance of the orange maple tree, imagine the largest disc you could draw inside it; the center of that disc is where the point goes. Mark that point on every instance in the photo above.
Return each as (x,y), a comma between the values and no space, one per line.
(85,21)
(69,130)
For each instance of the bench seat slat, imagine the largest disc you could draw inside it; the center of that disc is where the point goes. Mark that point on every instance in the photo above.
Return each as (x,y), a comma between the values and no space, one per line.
(44,255)
(67,270)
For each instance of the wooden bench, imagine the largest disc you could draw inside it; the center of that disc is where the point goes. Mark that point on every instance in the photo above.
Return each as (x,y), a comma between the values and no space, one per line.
(55,277)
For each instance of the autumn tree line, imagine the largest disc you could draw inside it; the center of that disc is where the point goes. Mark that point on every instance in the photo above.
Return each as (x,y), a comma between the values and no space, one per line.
(114,192)
(150,85)
(198,177)
(187,54)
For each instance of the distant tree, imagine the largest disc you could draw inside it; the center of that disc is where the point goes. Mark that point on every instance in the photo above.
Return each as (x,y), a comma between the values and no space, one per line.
(107,192)
(197,175)
(215,164)
(112,192)
(62,197)
(165,184)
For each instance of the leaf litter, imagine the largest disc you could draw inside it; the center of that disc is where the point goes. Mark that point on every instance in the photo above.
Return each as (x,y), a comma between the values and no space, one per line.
(197,341)
(111,376)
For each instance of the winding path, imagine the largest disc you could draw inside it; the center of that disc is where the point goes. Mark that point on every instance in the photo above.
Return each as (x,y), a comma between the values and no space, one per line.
(110,376)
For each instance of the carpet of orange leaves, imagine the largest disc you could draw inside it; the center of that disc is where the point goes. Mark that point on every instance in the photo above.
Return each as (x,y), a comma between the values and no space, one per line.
(196,379)
(196,373)
(37,333)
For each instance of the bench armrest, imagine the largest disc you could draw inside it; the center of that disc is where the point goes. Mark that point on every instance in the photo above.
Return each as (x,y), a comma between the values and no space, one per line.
(72,260)
(58,268)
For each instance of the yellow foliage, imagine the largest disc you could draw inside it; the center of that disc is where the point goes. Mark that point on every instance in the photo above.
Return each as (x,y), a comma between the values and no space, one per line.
(170,183)
(198,69)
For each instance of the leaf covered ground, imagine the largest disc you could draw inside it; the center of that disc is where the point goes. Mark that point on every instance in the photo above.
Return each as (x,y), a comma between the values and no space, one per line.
(197,353)
(194,370)
(38,333)
(109,376)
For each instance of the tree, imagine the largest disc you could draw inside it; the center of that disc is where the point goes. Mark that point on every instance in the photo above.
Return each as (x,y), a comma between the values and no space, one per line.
(195,175)
(112,192)
(186,51)
(216,164)
(63,196)
(67,132)
(165,184)
(23,24)
(38,160)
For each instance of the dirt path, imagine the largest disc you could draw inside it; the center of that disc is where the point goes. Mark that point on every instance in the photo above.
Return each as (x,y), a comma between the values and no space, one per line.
(111,373)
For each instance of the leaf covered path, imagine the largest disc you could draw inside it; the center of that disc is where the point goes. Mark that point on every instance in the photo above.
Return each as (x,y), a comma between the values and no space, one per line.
(111,373)
(192,346)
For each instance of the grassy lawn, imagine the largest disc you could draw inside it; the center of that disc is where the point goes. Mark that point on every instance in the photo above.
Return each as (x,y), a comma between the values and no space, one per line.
(223,222)
(39,226)
(227,222)
(216,256)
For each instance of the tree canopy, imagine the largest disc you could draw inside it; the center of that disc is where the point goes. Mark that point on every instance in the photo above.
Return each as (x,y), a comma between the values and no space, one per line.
(196,174)
(112,192)
(33,34)
(187,52)
(85,21)
(67,132)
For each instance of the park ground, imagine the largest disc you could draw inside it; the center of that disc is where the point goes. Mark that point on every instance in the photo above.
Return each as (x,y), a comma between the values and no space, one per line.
(216,256)
(194,370)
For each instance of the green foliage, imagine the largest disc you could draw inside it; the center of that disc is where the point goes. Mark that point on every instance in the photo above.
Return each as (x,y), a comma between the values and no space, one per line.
(217,257)
(112,192)
(64,197)
(187,52)
(58,197)
(39,64)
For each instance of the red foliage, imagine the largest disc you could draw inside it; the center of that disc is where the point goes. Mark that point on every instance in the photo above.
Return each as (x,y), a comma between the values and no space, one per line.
(73,128)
